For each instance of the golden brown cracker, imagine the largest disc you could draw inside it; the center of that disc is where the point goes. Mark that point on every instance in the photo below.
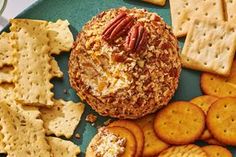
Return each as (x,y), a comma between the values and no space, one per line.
(185,150)
(131,145)
(179,123)
(221,120)
(146,120)
(156,2)
(152,144)
(184,12)
(219,86)
(217,151)
(62,118)
(210,46)
(204,102)
(136,130)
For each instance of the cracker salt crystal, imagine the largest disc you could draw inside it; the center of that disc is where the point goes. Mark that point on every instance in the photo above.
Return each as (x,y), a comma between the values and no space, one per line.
(62,118)
(184,11)
(63,148)
(60,36)
(33,69)
(230,10)
(210,46)
(23,132)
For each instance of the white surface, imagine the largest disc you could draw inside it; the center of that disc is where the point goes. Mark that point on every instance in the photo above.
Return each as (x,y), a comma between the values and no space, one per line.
(13,8)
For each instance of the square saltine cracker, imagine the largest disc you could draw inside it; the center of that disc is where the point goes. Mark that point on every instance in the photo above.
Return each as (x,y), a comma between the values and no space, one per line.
(210,46)
(183,13)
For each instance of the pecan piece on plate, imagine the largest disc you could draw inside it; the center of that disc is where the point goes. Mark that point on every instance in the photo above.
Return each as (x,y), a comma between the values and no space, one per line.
(136,39)
(118,26)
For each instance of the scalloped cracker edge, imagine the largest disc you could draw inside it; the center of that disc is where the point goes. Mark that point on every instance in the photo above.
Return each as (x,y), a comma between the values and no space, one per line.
(184,12)
(60,36)
(23,132)
(7,49)
(33,69)
(210,46)
(62,118)
(63,148)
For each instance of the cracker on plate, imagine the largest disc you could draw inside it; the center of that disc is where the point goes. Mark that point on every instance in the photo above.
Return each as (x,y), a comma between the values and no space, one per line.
(185,150)
(221,120)
(217,151)
(55,69)
(23,131)
(184,12)
(136,130)
(156,2)
(204,102)
(152,144)
(219,86)
(179,123)
(60,36)
(33,69)
(62,118)
(63,148)
(210,46)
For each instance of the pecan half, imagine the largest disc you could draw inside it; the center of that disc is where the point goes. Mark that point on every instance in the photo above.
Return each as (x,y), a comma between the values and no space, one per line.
(136,39)
(117,27)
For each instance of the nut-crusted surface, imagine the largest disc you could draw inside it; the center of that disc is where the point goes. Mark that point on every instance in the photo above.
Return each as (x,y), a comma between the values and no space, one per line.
(120,83)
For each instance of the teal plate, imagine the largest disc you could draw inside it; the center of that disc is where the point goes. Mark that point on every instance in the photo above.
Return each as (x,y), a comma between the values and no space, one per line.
(78,12)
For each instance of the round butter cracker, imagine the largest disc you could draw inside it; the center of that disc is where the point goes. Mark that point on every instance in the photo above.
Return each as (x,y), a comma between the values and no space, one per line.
(135,130)
(204,102)
(153,145)
(184,151)
(179,123)
(217,151)
(221,120)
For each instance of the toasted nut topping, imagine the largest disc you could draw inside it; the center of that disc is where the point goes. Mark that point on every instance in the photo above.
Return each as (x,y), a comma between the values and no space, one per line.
(136,39)
(117,27)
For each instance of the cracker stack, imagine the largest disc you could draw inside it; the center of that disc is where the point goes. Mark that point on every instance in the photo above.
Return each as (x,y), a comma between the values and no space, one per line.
(26,68)
(210,46)
(184,12)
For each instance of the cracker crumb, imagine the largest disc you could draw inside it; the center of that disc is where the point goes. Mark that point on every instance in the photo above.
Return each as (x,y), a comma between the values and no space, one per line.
(91,118)
(65,91)
(77,136)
